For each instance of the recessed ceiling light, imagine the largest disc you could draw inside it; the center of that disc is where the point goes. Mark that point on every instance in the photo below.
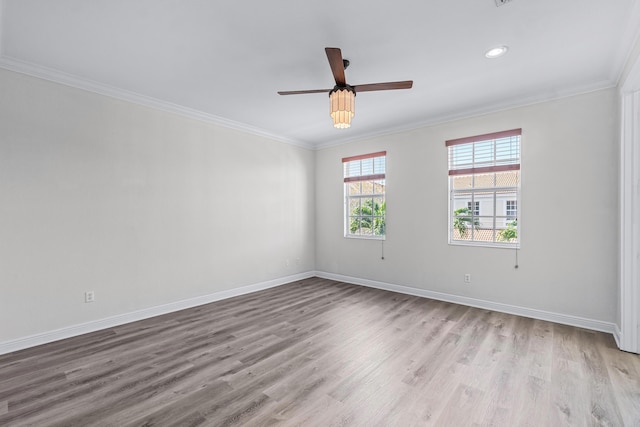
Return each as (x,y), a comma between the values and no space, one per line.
(496,52)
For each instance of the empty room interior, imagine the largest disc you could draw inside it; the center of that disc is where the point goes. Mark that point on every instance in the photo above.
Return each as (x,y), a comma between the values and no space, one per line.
(194,226)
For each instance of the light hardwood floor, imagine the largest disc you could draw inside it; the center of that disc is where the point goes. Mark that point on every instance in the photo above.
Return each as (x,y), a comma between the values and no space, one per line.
(323,353)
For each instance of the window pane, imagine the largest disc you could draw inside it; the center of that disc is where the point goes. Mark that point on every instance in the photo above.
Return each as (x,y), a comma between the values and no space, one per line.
(507,207)
(354,225)
(367,167)
(378,187)
(507,150)
(483,153)
(462,227)
(461,204)
(379,226)
(354,206)
(463,221)
(460,156)
(508,234)
(352,168)
(461,181)
(484,180)
(378,206)
(355,188)
(367,207)
(485,200)
(484,235)
(508,179)
(379,164)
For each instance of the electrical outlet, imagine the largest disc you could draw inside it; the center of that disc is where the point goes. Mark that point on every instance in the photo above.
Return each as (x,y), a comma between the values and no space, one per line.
(89,296)
(467,278)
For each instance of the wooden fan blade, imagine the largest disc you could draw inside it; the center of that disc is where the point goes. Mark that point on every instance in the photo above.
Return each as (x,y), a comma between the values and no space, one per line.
(334,55)
(406,84)
(301,92)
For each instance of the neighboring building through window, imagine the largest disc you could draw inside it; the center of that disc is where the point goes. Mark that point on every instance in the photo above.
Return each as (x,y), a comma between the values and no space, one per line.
(484,189)
(364,190)
(474,209)
(511,210)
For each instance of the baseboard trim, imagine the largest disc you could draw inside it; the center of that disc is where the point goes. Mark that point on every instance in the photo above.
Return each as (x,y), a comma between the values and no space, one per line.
(617,335)
(110,322)
(565,319)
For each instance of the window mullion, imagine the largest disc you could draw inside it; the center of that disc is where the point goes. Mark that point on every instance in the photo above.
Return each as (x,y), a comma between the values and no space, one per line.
(495,206)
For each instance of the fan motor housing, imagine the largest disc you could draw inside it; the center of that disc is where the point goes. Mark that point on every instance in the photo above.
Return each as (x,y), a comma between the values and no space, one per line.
(337,88)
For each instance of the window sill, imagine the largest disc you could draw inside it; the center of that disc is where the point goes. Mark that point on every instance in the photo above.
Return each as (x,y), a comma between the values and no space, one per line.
(486,245)
(366,237)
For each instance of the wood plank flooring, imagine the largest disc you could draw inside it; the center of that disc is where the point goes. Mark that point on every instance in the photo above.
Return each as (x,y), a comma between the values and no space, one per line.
(323,353)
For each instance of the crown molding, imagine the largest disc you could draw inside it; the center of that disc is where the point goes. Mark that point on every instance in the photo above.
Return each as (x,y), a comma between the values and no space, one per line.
(135,98)
(105,90)
(475,112)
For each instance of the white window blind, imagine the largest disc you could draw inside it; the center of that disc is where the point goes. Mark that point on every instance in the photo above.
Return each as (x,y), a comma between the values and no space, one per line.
(493,152)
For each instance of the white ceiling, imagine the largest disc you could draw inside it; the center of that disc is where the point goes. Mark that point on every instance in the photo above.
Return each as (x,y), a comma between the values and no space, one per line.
(225,60)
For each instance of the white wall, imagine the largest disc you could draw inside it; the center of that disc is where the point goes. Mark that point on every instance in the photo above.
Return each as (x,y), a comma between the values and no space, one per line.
(147,208)
(141,206)
(569,172)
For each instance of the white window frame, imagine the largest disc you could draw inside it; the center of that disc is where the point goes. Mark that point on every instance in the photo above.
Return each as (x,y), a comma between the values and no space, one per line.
(366,169)
(479,159)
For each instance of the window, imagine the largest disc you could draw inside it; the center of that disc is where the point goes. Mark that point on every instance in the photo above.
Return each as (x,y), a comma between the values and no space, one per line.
(476,208)
(511,210)
(364,190)
(484,170)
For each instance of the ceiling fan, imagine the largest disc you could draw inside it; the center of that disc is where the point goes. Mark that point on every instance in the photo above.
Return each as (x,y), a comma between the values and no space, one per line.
(342,96)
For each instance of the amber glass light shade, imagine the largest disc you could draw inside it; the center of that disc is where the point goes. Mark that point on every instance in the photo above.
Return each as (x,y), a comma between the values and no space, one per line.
(342,103)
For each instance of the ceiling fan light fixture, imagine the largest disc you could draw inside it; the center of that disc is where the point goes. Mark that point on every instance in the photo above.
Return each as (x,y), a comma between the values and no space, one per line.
(342,106)
(342,98)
